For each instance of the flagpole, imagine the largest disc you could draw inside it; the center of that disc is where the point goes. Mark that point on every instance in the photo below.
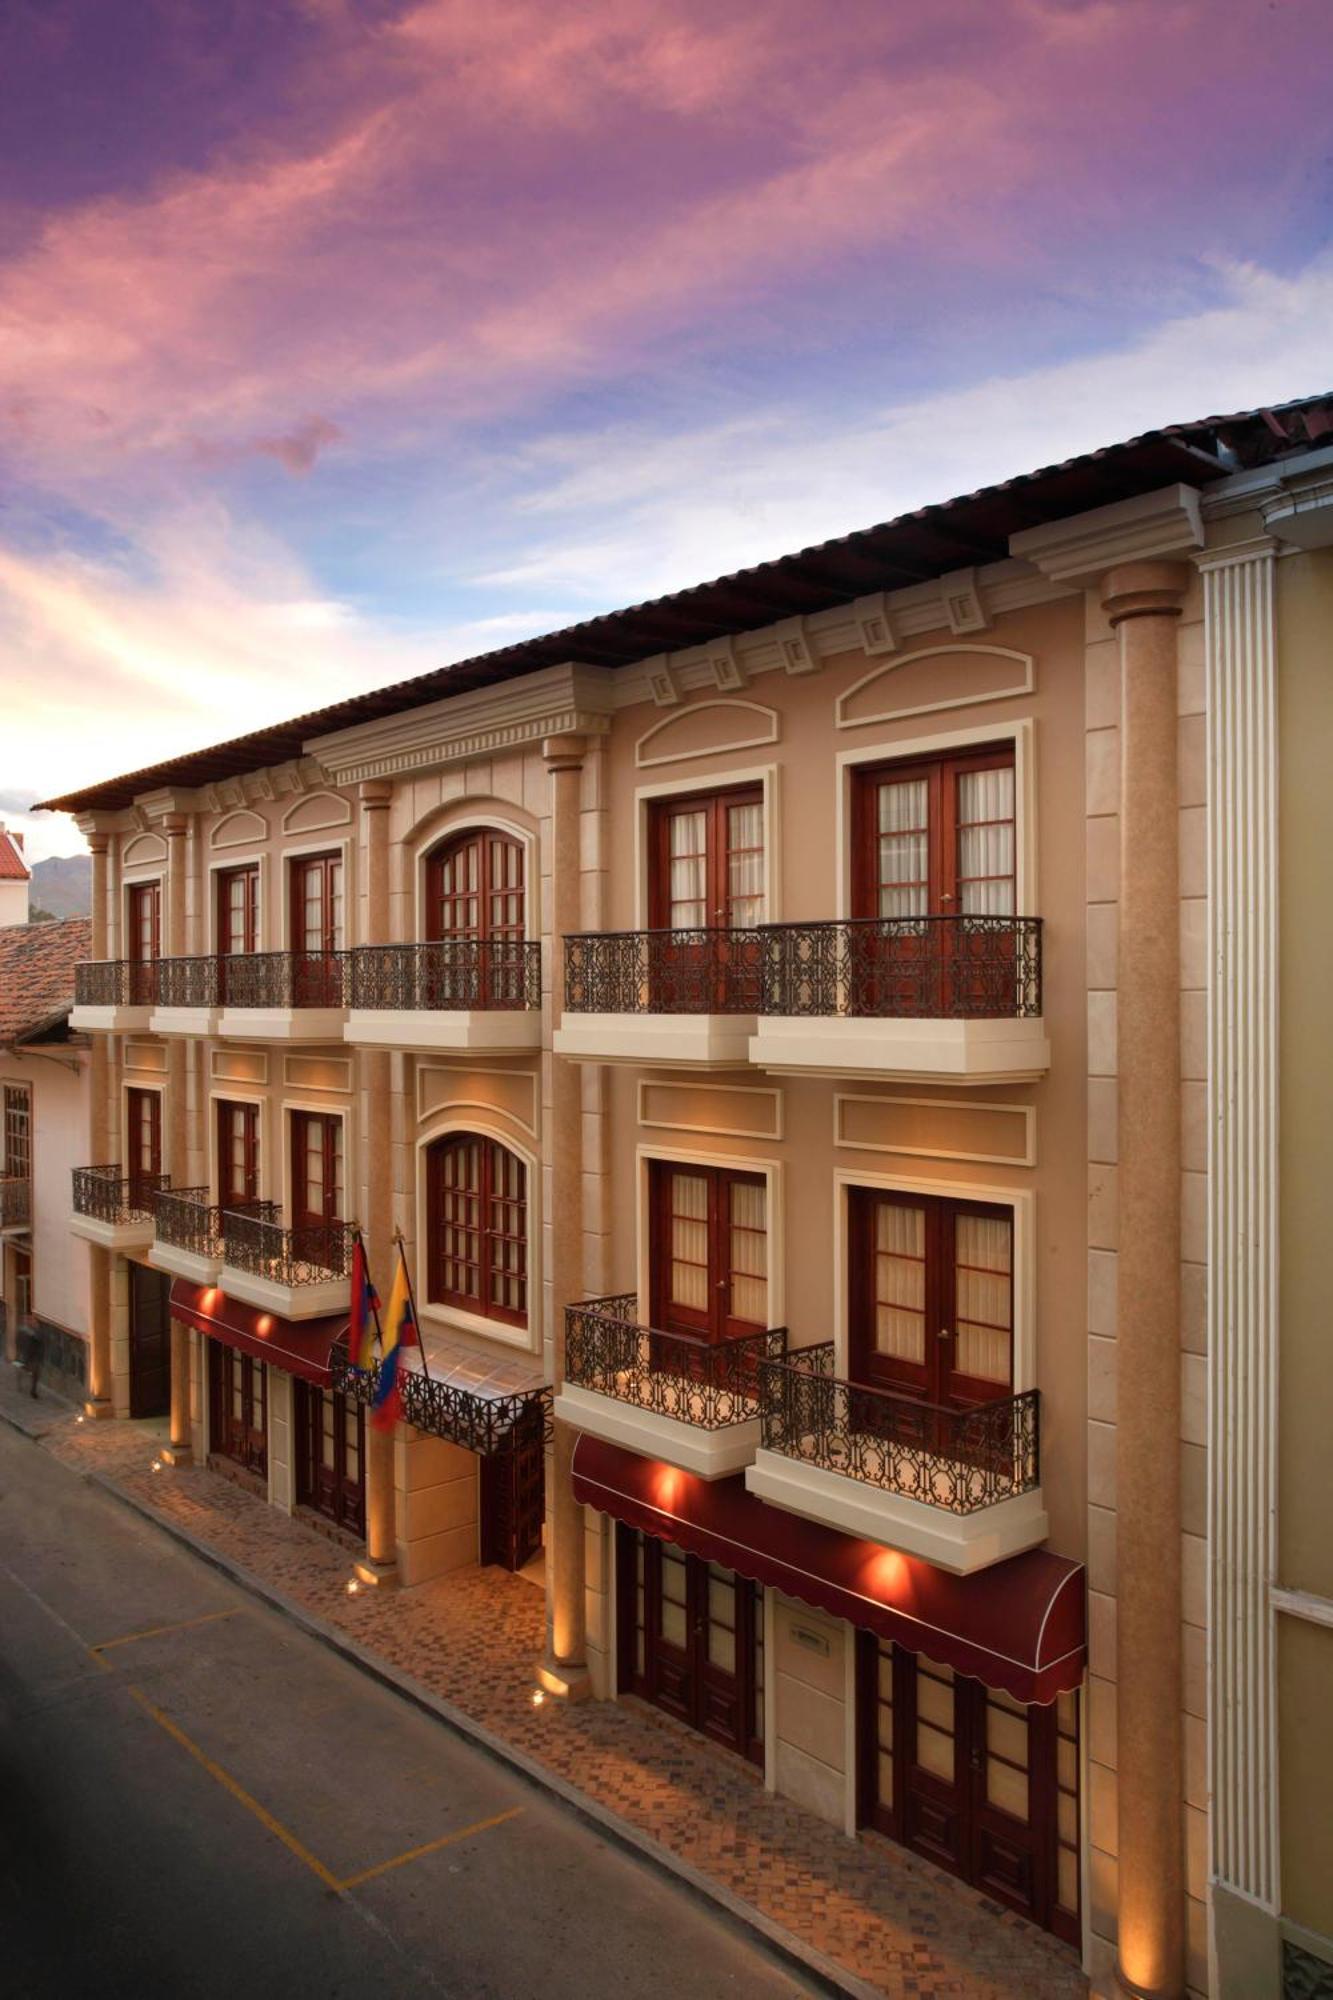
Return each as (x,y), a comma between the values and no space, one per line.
(358,1237)
(416,1316)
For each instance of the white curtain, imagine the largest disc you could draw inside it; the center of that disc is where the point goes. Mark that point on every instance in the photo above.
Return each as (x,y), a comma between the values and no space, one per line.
(745,864)
(689,872)
(749,1253)
(986,843)
(689,1241)
(984,1297)
(903,848)
(900,1282)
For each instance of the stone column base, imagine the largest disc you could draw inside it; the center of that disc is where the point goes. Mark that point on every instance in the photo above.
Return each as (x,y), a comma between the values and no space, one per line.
(98,1406)
(566,1678)
(177,1454)
(378,1575)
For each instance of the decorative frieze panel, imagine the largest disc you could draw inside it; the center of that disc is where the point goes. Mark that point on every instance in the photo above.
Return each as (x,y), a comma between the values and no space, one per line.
(935,678)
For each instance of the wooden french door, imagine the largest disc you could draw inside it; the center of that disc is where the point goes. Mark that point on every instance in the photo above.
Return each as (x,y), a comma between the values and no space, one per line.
(931,1296)
(150,1342)
(707,872)
(238,1155)
(933,838)
(691,1640)
(316,906)
(237,917)
(317,1185)
(513,1497)
(978,1782)
(144,941)
(475,892)
(143,1149)
(237,1407)
(708,1251)
(331,1455)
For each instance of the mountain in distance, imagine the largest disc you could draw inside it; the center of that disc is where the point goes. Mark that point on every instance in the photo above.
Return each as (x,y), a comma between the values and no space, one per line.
(63,885)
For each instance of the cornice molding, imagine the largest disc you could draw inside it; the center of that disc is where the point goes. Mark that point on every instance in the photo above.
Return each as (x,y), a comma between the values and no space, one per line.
(1258,548)
(1080,549)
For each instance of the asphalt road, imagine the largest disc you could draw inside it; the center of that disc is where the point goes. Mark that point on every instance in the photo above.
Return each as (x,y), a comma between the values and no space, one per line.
(198,1799)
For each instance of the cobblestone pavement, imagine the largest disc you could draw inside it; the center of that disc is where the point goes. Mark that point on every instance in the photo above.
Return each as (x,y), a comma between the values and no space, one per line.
(473,1639)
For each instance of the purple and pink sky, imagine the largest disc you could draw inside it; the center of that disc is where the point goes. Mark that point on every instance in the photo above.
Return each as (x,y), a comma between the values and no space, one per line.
(342,338)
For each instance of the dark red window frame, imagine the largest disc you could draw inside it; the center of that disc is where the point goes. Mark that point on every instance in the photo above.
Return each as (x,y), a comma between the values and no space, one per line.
(328,1128)
(143,1164)
(719,902)
(471,878)
(717,1320)
(233,1194)
(941,775)
(480,1193)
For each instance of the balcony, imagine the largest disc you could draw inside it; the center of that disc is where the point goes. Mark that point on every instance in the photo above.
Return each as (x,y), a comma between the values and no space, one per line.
(959,1487)
(298,1273)
(460,994)
(114,996)
(187,1235)
(186,1002)
(664,997)
(664,1395)
(114,1210)
(946,999)
(15,1204)
(282,996)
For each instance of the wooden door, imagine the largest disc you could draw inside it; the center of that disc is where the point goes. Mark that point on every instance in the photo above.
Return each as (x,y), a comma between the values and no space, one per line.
(238,1407)
(330,1461)
(707,872)
(238,1155)
(691,1640)
(980,1783)
(317,1168)
(475,894)
(143,1149)
(932,838)
(513,1497)
(931,1296)
(316,908)
(708,1251)
(237,917)
(150,1342)
(144,940)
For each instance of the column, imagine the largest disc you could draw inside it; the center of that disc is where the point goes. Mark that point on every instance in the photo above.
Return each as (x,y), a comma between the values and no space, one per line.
(99,1084)
(380,1565)
(564,1671)
(1142,602)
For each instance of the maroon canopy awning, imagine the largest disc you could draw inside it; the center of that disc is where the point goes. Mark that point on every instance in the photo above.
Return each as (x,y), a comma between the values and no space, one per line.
(1019,1625)
(299,1346)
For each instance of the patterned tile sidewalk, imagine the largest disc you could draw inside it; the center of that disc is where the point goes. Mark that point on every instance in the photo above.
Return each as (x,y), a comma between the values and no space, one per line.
(890,1920)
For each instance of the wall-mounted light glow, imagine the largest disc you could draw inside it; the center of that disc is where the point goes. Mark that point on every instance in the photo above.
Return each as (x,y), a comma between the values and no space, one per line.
(264,1325)
(209,1297)
(668,1483)
(887,1572)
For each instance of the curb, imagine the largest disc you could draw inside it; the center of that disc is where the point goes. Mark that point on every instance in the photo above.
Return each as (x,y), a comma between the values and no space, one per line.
(782,1943)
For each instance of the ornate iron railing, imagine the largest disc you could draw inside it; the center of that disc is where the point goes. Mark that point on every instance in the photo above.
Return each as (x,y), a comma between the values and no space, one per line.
(116,982)
(699,1382)
(185,1218)
(664,972)
(104,1194)
(451,974)
(488,1425)
(254,1240)
(931,968)
(281,979)
(187,982)
(960,1460)
(15,1201)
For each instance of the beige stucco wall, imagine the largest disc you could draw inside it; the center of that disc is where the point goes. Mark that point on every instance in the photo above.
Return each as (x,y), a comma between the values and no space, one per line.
(437,1506)
(58,1082)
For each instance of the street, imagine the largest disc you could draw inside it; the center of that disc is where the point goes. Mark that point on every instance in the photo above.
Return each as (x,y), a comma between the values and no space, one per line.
(197,1798)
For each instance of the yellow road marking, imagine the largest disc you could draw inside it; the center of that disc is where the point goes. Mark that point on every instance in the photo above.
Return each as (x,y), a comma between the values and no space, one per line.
(156,1631)
(238,1792)
(430,1847)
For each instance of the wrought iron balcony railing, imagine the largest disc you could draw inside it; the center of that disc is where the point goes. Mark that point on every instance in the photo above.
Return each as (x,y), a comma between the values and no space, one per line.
(104,1194)
(664,972)
(185,1218)
(15,1201)
(281,979)
(453,974)
(699,1382)
(488,1425)
(961,1460)
(116,982)
(254,1240)
(928,968)
(187,982)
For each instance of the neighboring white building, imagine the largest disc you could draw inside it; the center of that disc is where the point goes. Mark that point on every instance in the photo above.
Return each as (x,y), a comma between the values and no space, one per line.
(15,878)
(44,1128)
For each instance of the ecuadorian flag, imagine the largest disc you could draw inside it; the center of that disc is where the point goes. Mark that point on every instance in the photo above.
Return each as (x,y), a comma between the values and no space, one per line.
(364,1307)
(399,1331)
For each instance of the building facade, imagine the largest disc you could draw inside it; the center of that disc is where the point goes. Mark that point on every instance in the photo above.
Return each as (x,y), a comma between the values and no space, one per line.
(777,1023)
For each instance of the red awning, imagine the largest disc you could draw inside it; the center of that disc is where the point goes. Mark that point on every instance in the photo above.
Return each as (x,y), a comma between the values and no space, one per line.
(299,1346)
(1019,1625)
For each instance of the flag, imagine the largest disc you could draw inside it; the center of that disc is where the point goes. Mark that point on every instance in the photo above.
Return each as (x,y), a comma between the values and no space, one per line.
(399,1331)
(365,1305)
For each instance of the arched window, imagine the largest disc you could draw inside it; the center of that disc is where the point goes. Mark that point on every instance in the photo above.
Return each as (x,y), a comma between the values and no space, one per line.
(477,1228)
(474,887)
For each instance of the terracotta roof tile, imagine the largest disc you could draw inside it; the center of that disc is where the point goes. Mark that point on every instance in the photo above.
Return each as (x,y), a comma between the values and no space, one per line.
(37,964)
(13,868)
